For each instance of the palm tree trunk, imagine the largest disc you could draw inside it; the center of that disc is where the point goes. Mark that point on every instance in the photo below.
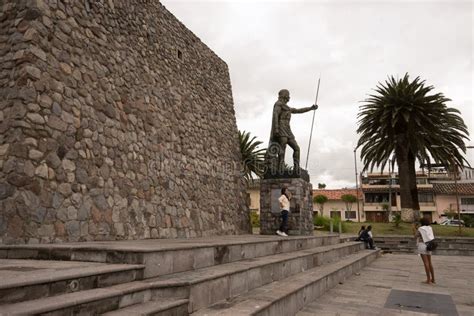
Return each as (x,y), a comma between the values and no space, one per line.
(413,188)
(408,190)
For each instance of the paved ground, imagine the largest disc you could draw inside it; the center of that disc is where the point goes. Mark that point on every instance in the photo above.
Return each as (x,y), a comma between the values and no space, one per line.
(395,280)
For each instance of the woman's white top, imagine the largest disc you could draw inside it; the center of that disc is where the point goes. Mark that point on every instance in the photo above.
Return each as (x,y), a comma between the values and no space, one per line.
(426,233)
(284,203)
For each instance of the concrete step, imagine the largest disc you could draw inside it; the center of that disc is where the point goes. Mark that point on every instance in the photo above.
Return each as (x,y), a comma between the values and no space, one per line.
(440,251)
(209,285)
(162,257)
(203,287)
(89,302)
(161,307)
(447,246)
(32,279)
(288,296)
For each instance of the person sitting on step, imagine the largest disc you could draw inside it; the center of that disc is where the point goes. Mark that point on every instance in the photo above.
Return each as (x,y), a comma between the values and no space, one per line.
(366,236)
(362,228)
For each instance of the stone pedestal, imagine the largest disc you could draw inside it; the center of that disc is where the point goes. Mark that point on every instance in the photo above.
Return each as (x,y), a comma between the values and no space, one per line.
(301,206)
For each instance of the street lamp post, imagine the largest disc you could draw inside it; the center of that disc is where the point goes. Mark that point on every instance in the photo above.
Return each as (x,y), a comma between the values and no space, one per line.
(357,185)
(457,195)
(389,191)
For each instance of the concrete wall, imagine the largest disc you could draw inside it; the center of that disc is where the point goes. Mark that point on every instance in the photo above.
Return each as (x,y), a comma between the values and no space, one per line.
(254,199)
(116,122)
(445,202)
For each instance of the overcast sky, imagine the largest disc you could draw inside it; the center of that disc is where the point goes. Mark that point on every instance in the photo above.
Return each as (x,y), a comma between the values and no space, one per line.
(271,45)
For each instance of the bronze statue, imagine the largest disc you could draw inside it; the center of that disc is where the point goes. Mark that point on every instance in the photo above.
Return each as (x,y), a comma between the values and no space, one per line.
(281,134)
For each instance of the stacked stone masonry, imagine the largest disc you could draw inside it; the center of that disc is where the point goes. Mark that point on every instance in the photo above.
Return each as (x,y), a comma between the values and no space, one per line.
(116,122)
(300,220)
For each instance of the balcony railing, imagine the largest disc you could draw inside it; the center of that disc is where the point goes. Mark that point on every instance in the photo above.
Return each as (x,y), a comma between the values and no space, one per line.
(427,204)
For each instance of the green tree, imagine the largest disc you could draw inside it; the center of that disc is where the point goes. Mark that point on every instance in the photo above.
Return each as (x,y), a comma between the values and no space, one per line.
(349,199)
(321,185)
(400,118)
(252,157)
(320,200)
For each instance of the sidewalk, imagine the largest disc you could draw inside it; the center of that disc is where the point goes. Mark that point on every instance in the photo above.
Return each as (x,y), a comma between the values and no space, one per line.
(391,285)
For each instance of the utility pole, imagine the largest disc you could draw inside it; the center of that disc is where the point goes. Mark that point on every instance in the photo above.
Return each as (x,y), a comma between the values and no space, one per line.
(389,191)
(357,185)
(457,194)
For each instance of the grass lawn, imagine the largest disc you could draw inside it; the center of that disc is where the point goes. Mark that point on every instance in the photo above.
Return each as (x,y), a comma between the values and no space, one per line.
(406,229)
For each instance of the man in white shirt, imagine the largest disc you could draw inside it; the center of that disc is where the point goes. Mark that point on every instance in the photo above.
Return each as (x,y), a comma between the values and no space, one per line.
(366,236)
(284,201)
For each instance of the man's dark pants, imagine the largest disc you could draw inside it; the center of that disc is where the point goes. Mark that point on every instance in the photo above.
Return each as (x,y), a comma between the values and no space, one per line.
(369,241)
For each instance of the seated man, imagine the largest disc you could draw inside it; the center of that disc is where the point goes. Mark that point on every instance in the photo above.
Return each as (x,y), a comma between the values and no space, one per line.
(366,236)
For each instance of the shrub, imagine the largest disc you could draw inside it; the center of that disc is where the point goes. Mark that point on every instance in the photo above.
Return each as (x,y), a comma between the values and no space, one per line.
(324,222)
(255,219)
(397,219)
(468,220)
(321,221)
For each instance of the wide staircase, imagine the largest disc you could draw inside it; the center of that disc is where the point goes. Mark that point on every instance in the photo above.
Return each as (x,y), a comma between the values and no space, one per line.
(228,275)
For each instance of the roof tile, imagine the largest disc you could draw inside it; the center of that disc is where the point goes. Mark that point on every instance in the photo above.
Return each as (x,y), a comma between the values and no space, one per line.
(450,188)
(336,194)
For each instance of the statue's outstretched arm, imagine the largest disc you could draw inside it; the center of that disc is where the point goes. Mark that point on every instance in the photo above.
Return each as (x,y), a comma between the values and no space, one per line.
(304,110)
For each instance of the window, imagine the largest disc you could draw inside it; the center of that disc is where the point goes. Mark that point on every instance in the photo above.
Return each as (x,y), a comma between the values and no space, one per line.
(378,181)
(395,181)
(467,201)
(335,214)
(425,197)
(180,55)
(376,197)
(350,214)
(421,181)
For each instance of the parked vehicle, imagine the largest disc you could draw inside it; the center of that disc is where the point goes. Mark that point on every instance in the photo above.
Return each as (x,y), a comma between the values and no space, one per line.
(452,222)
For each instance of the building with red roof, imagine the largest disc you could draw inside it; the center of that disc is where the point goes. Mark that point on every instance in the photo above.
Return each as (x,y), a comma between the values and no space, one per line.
(336,207)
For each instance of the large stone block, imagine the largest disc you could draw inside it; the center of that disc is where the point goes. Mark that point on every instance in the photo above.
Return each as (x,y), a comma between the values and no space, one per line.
(301,205)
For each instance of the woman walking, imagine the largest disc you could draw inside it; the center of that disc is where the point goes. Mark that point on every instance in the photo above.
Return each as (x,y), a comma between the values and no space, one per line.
(284,201)
(424,234)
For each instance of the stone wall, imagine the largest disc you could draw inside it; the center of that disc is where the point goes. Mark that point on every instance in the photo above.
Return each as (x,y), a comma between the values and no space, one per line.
(116,122)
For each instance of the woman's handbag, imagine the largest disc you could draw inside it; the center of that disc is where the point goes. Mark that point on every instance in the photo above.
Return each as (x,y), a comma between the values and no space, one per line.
(431,245)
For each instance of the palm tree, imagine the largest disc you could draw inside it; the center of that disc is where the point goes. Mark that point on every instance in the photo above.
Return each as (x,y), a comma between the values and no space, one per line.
(252,157)
(402,119)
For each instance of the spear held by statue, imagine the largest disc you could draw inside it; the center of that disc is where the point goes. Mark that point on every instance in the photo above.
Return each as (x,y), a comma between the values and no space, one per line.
(312,125)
